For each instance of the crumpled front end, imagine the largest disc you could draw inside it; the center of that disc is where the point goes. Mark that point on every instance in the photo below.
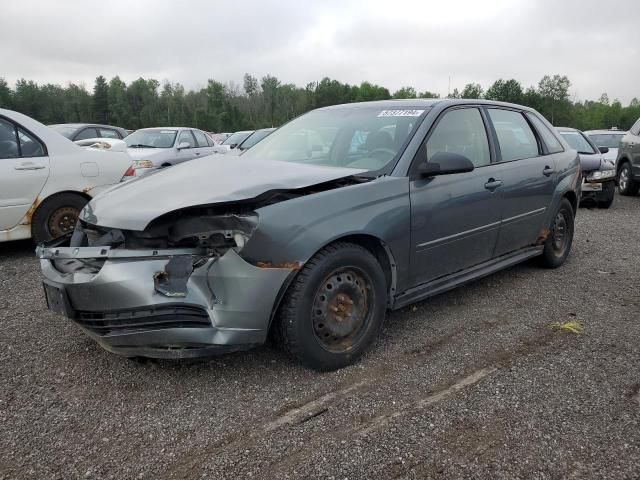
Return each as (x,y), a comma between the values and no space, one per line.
(179,289)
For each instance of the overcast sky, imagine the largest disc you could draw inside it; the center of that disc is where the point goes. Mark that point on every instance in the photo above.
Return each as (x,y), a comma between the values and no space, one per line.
(391,42)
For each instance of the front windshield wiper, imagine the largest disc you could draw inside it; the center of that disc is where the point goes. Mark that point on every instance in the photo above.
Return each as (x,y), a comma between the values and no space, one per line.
(141,145)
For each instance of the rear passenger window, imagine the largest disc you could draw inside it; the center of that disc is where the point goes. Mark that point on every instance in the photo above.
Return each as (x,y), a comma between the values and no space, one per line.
(86,133)
(30,146)
(635,130)
(549,139)
(200,138)
(108,133)
(461,131)
(8,140)
(515,137)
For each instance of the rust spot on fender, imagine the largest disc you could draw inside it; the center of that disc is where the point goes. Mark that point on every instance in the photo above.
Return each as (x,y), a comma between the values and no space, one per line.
(86,189)
(287,265)
(544,234)
(29,215)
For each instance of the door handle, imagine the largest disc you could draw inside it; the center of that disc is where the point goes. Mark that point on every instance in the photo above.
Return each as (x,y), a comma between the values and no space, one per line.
(29,166)
(548,171)
(492,184)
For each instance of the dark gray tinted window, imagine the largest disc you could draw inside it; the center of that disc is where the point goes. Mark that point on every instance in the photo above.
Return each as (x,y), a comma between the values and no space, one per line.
(200,138)
(29,145)
(185,136)
(8,141)
(461,131)
(515,137)
(86,133)
(549,139)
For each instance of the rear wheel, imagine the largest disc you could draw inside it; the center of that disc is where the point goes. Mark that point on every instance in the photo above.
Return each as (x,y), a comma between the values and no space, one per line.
(608,193)
(334,308)
(627,185)
(558,243)
(56,216)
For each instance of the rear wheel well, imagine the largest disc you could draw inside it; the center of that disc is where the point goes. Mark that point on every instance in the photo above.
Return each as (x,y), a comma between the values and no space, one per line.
(621,162)
(573,199)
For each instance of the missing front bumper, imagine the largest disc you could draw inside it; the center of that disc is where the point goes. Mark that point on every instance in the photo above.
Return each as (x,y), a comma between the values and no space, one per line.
(113,296)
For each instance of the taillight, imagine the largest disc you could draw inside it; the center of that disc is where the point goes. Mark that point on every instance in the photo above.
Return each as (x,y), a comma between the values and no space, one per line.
(128,174)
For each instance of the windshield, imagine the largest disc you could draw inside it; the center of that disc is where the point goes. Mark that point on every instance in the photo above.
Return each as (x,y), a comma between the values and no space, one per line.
(65,130)
(236,138)
(254,138)
(352,137)
(578,142)
(609,140)
(156,138)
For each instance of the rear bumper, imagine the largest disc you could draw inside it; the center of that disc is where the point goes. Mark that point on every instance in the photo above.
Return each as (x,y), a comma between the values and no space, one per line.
(227,304)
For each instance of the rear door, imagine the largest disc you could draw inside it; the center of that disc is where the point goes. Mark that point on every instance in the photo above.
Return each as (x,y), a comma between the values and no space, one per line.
(529,177)
(24,168)
(634,149)
(455,218)
(203,146)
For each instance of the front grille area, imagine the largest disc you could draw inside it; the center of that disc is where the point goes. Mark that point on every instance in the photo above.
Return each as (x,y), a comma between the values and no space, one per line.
(143,319)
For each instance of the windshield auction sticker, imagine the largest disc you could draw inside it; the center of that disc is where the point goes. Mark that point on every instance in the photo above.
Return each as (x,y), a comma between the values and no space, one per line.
(401,113)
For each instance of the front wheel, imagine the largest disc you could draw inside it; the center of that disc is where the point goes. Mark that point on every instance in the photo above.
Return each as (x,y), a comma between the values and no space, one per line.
(627,185)
(607,195)
(334,309)
(558,243)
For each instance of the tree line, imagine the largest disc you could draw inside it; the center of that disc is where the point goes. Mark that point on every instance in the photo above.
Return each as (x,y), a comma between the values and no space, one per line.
(266,102)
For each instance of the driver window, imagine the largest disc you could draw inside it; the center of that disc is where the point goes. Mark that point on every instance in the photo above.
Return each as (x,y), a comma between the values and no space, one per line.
(185,136)
(461,131)
(8,143)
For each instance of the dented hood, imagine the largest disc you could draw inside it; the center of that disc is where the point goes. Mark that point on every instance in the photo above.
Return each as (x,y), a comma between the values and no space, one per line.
(214,179)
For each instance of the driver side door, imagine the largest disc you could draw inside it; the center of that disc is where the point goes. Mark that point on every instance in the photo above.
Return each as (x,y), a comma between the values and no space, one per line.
(455,218)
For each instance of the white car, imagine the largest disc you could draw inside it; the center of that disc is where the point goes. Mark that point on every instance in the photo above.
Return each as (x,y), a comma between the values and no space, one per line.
(45,179)
(607,138)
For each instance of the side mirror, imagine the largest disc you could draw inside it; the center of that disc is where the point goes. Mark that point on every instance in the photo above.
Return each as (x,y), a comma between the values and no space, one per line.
(603,149)
(183,145)
(445,163)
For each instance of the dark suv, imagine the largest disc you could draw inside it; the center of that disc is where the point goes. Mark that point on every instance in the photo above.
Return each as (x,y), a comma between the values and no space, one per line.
(628,161)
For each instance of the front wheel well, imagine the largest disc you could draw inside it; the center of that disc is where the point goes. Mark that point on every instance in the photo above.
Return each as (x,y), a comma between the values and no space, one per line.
(380,251)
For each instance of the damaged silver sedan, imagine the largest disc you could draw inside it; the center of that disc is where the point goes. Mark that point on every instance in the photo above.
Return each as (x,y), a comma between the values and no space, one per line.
(310,236)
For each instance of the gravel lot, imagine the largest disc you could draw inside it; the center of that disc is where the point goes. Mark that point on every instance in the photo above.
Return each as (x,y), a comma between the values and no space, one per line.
(471,384)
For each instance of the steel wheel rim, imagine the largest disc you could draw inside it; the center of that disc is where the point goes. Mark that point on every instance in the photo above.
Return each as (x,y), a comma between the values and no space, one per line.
(62,221)
(342,309)
(624,178)
(560,233)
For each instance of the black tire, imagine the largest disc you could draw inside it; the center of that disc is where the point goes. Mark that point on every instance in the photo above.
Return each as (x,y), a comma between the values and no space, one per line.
(558,243)
(627,185)
(608,194)
(56,216)
(334,308)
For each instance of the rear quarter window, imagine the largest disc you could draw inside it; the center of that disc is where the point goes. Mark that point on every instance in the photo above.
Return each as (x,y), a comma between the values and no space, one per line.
(552,143)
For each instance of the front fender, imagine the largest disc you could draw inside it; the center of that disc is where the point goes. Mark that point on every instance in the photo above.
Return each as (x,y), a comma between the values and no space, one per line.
(294,230)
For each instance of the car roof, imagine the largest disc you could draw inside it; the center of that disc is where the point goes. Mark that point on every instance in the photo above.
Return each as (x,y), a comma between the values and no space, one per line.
(83,125)
(425,102)
(568,129)
(605,132)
